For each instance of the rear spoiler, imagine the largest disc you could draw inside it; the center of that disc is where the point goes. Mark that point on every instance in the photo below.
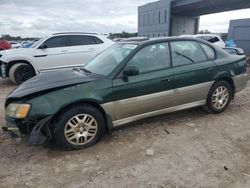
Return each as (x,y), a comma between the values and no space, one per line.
(235,51)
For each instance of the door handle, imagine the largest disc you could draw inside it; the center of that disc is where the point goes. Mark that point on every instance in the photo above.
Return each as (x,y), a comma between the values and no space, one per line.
(44,55)
(64,51)
(165,80)
(211,70)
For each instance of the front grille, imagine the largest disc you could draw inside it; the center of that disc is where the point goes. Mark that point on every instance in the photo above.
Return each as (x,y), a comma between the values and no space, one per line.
(0,68)
(2,74)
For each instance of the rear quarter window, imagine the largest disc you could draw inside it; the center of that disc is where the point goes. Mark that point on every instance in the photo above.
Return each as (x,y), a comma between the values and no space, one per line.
(95,40)
(209,51)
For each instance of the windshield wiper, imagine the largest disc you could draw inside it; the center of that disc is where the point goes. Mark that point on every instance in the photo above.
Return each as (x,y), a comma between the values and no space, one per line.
(86,70)
(185,56)
(82,69)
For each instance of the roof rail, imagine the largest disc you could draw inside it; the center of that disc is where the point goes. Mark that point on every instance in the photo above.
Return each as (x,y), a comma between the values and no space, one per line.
(74,33)
(135,39)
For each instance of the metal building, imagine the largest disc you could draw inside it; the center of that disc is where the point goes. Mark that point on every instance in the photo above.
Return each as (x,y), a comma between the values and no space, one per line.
(177,17)
(239,31)
(154,19)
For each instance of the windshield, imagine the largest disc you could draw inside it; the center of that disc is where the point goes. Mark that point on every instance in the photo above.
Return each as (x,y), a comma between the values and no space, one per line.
(37,43)
(109,59)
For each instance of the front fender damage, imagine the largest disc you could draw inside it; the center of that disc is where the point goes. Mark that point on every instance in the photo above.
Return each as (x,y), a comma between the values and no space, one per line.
(41,132)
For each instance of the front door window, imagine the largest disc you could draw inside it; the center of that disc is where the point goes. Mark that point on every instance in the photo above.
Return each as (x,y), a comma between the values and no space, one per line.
(151,58)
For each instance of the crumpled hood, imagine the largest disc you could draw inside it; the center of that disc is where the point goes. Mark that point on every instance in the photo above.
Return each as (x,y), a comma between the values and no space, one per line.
(51,80)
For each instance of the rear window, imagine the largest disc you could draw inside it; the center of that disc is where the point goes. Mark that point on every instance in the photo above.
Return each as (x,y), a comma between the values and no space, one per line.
(211,39)
(206,38)
(214,39)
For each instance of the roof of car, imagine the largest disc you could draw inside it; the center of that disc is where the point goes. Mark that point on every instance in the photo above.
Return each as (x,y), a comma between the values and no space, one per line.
(135,39)
(200,35)
(77,33)
(160,39)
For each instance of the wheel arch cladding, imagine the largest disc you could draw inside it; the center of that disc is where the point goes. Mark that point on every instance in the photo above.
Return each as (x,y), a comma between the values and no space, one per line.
(228,79)
(83,102)
(11,63)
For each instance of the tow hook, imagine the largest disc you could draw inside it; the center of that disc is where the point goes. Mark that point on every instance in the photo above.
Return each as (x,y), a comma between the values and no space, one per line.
(13,131)
(6,129)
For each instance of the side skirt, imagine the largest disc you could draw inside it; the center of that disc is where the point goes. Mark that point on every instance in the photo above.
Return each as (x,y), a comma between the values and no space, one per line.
(158,112)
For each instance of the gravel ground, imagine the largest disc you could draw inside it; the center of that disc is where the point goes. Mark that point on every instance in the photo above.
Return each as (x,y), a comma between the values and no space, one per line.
(184,149)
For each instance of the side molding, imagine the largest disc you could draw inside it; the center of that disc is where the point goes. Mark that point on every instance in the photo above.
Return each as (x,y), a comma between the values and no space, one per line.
(158,112)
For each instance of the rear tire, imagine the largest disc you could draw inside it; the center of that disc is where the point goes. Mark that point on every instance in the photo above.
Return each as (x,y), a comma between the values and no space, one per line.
(21,72)
(78,127)
(219,97)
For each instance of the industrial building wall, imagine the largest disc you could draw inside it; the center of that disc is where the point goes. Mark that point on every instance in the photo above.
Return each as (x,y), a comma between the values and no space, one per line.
(154,19)
(239,31)
(181,25)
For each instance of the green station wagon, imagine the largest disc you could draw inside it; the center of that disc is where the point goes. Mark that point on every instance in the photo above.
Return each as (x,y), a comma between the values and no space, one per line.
(127,82)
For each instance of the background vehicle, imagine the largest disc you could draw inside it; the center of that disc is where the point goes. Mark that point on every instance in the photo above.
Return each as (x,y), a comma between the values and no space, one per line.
(61,49)
(127,82)
(118,39)
(24,43)
(214,39)
(28,45)
(15,44)
(4,45)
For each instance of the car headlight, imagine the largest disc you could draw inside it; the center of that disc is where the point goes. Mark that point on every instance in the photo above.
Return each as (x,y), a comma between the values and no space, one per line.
(19,111)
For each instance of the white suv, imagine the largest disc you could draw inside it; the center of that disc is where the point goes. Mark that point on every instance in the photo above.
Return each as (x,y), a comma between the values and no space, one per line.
(57,50)
(210,38)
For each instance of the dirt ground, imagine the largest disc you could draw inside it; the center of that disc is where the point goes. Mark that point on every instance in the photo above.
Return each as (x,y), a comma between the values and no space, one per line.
(187,149)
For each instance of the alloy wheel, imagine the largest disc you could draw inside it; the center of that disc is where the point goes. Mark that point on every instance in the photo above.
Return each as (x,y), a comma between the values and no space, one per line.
(220,97)
(81,129)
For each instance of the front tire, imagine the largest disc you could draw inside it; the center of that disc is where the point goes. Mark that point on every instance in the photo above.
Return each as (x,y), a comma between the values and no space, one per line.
(78,127)
(20,72)
(219,97)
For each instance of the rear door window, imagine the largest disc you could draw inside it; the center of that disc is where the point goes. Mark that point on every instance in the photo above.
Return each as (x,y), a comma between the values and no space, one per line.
(81,40)
(186,52)
(78,40)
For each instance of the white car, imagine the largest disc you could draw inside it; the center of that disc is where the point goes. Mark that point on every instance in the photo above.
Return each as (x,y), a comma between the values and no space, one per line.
(15,44)
(57,50)
(210,38)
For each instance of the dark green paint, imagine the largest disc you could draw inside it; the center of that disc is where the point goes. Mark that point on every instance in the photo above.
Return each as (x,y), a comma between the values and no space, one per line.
(51,98)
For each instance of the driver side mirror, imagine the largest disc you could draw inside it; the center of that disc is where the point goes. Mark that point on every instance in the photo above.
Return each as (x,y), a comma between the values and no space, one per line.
(131,71)
(43,46)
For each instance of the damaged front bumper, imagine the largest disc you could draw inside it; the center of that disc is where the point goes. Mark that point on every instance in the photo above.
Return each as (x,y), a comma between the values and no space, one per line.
(3,67)
(38,134)
(12,127)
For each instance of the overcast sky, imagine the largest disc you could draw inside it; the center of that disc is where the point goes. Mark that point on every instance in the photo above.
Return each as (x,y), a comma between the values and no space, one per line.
(41,17)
